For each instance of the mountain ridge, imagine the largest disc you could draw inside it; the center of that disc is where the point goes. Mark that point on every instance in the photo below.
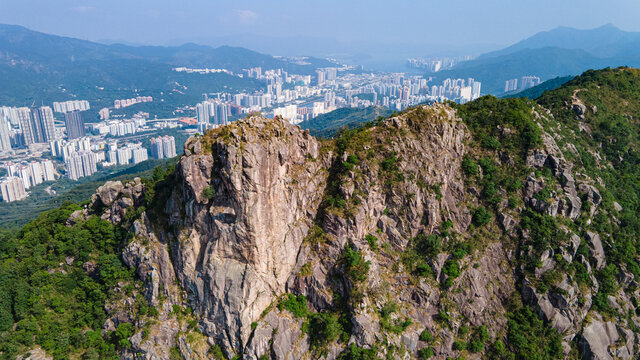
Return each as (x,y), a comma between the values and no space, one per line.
(562,51)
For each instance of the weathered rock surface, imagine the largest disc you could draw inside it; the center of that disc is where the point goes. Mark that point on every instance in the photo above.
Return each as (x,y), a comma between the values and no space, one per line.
(245,197)
(237,249)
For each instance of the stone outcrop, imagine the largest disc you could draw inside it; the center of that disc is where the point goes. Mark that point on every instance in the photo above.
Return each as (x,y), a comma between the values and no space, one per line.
(238,246)
(251,215)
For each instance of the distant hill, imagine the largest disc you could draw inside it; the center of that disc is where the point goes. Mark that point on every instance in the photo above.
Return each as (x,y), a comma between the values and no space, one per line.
(559,52)
(536,91)
(327,125)
(605,41)
(45,67)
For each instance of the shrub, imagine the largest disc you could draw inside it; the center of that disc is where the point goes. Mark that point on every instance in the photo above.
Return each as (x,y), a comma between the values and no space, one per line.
(530,338)
(428,245)
(459,345)
(396,326)
(489,142)
(354,352)
(305,270)
(425,335)
(469,166)
(296,305)
(356,268)
(476,346)
(425,353)
(208,192)
(315,236)
(372,241)
(480,217)
(451,268)
(323,329)
(123,332)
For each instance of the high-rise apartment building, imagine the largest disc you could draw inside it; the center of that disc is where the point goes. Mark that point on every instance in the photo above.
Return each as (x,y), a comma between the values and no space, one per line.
(48,170)
(5,136)
(163,147)
(37,173)
(528,82)
(37,125)
(12,189)
(74,122)
(320,76)
(72,105)
(511,85)
(139,154)
(81,164)
(169,146)
(157,150)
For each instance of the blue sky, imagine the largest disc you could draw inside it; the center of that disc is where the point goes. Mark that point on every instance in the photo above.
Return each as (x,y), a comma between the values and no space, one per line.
(459,22)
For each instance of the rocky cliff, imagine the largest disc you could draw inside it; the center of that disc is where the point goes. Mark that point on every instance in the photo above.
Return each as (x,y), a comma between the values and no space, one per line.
(497,229)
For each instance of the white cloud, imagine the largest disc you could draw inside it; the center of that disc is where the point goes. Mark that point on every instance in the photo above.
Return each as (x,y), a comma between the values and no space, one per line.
(245,16)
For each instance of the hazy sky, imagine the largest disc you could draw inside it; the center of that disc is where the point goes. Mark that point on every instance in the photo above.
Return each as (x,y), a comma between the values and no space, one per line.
(406,21)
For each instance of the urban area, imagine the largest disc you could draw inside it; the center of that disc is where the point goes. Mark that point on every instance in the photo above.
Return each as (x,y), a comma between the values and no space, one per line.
(42,144)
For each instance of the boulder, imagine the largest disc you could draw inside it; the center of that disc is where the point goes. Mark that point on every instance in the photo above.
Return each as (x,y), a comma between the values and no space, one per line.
(108,193)
(597,252)
(596,338)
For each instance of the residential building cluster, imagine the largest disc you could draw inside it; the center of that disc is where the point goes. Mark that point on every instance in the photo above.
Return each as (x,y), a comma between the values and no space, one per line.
(104,114)
(72,105)
(74,123)
(436,64)
(62,149)
(37,125)
(523,83)
(80,164)
(5,135)
(301,97)
(25,126)
(123,103)
(202,71)
(126,154)
(212,113)
(458,90)
(22,176)
(120,127)
(12,189)
(163,147)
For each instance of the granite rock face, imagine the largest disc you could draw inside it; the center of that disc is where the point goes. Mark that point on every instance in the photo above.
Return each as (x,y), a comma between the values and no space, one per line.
(260,208)
(250,193)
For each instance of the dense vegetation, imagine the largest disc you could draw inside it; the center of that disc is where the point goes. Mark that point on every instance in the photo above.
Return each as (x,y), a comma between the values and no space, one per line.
(48,296)
(611,96)
(57,277)
(327,125)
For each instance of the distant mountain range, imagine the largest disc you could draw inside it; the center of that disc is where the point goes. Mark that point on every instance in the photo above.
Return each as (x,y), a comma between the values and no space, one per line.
(45,67)
(559,52)
(42,68)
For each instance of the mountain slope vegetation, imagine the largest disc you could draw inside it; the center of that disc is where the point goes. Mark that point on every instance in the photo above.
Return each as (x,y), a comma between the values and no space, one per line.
(327,125)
